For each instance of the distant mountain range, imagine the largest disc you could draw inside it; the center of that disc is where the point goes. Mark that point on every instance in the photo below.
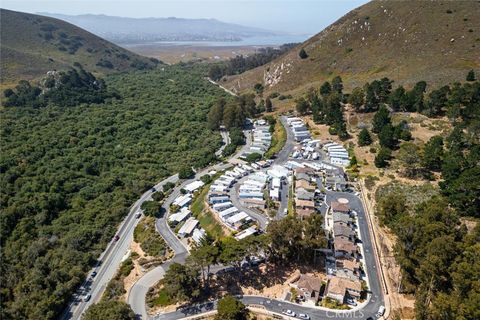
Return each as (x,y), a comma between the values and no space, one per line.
(141,30)
(31,45)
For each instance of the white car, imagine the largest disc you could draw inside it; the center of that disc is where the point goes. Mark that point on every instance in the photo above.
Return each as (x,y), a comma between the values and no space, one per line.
(303,316)
(289,312)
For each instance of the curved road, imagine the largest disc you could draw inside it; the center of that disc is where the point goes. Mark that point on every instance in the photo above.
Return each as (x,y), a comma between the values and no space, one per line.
(363,311)
(138,292)
(115,252)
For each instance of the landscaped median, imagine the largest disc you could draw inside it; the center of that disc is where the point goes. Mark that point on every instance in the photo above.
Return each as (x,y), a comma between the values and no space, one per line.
(279,137)
(203,214)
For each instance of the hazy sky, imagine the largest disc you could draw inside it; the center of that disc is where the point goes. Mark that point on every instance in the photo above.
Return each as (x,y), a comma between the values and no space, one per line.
(296,16)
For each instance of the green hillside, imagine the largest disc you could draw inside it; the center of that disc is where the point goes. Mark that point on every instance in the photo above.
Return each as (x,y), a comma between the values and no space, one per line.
(70,174)
(31,45)
(407,41)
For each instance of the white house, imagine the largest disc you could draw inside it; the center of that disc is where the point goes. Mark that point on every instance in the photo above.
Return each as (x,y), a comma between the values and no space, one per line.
(183,201)
(275,194)
(245,233)
(187,229)
(222,206)
(179,216)
(195,185)
(198,235)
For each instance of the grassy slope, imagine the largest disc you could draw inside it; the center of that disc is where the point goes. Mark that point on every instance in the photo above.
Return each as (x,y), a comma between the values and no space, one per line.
(407,41)
(31,45)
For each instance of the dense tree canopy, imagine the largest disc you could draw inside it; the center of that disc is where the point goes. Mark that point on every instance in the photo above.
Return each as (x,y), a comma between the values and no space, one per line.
(70,174)
(109,310)
(230,308)
(68,88)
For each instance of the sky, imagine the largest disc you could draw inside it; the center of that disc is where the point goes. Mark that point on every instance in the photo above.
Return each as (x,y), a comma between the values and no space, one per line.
(293,16)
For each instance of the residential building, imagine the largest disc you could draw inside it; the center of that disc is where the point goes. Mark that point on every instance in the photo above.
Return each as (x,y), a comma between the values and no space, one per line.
(247,232)
(336,206)
(195,185)
(342,229)
(302,194)
(342,217)
(304,184)
(339,288)
(275,194)
(187,229)
(309,287)
(218,199)
(198,235)
(344,248)
(183,201)
(253,203)
(178,217)
(348,268)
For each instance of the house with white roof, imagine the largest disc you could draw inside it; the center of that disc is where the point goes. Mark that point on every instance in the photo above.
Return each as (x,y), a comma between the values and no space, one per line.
(178,217)
(222,206)
(198,235)
(227,213)
(183,200)
(195,185)
(245,233)
(187,229)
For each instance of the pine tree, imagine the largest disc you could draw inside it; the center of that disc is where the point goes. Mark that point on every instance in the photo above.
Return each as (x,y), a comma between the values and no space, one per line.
(302,106)
(268,105)
(471,75)
(381,119)
(357,98)
(303,54)
(337,85)
(364,138)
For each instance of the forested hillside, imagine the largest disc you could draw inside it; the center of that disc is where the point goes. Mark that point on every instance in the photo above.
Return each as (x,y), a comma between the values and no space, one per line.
(70,173)
(32,45)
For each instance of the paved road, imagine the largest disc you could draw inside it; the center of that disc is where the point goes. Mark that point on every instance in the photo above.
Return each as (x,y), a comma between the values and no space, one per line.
(261,218)
(226,141)
(111,258)
(282,156)
(113,255)
(138,292)
(374,301)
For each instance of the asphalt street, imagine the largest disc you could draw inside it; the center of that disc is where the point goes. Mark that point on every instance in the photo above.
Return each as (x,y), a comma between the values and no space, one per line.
(375,298)
(138,292)
(260,218)
(110,259)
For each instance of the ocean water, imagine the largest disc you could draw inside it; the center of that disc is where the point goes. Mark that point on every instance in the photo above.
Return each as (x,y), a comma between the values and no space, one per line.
(250,41)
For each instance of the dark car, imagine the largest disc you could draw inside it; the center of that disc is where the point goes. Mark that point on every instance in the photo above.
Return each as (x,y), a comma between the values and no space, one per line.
(153,189)
(116,238)
(94,273)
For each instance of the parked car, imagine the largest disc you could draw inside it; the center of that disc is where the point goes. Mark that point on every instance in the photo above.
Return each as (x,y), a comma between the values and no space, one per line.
(138,215)
(380,311)
(87,297)
(116,238)
(351,302)
(153,189)
(94,273)
(289,312)
(303,316)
